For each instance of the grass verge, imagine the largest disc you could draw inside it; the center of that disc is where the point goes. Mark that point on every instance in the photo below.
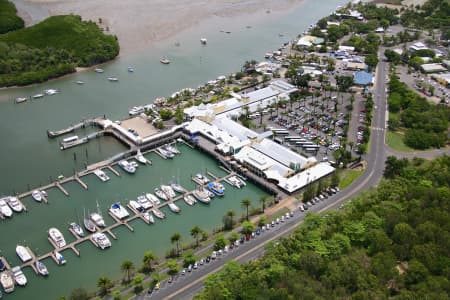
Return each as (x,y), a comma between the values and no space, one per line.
(394,139)
(348,177)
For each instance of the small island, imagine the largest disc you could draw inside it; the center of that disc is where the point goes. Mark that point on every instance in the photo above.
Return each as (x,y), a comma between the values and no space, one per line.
(49,49)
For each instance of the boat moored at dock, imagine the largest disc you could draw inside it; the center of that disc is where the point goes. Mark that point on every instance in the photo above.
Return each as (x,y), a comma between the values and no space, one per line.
(100,174)
(23,253)
(119,211)
(97,219)
(144,202)
(217,188)
(14,203)
(7,281)
(189,199)
(160,193)
(77,229)
(153,199)
(5,210)
(201,179)
(168,191)
(140,158)
(127,166)
(173,207)
(101,240)
(136,206)
(41,268)
(201,196)
(178,188)
(89,225)
(148,217)
(60,258)
(19,277)
(57,237)
(37,195)
(158,213)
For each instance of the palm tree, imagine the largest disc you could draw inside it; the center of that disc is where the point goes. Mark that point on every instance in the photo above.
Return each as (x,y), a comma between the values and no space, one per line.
(195,233)
(127,267)
(104,283)
(176,238)
(246,202)
(263,201)
(231,214)
(148,260)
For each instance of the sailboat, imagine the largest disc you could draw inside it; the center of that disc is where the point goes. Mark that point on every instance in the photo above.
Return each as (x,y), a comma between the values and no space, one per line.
(76,227)
(97,217)
(88,224)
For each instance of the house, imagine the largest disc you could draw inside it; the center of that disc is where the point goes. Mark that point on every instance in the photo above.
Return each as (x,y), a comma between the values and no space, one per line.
(432,68)
(417,46)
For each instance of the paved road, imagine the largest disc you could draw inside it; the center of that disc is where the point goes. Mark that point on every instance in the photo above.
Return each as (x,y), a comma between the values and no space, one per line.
(185,287)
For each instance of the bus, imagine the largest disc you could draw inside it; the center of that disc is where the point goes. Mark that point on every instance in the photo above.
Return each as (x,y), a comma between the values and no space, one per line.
(311,149)
(280,132)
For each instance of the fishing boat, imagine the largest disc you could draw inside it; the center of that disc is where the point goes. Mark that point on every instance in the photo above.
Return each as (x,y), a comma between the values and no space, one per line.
(124,164)
(165,61)
(41,268)
(161,194)
(60,258)
(37,96)
(37,195)
(158,213)
(23,253)
(51,92)
(119,211)
(14,203)
(216,188)
(140,158)
(77,229)
(148,217)
(4,208)
(100,174)
(178,188)
(201,196)
(173,207)
(19,277)
(130,69)
(144,202)
(202,179)
(189,199)
(136,206)
(101,240)
(153,199)
(203,41)
(168,191)
(57,237)
(20,99)
(98,70)
(7,282)
(113,79)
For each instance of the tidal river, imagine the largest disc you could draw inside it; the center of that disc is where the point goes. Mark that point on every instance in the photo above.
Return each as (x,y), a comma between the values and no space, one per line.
(30,159)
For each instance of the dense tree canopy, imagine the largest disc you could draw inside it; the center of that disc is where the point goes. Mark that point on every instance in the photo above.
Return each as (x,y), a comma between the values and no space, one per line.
(9,21)
(392,242)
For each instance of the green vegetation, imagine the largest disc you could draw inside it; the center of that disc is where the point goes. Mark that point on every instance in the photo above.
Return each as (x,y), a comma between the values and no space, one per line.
(348,177)
(425,123)
(52,48)
(389,243)
(394,139)
(9,21)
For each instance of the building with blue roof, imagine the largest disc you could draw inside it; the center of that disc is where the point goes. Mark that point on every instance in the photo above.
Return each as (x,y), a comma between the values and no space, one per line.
(363,78)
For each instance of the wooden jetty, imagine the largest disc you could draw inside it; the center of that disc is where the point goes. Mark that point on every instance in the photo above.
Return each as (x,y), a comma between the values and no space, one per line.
(84,185)
(59,186)
(113,170)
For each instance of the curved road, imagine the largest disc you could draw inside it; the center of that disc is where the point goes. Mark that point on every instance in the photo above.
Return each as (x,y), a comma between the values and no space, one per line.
(186,286)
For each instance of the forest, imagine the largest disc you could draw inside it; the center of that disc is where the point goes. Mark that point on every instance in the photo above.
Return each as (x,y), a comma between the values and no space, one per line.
(51,48)
(390,242)
(8,17)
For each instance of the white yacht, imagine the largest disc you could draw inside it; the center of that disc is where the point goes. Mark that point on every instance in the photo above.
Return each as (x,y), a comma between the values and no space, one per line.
(203,41)
(153,199)
(113,79)
(51,92)
(144,202)
(202,179)
(160,193)
(41,268)
(165,61)
(202,196)
(60,258)
(23,253)
(148,217)
(172,149)
(158,213)
(178,188)
(37,96)
(7,282)
(168,191)
(77,229)
(101,240)
(235,181)
(190,200)
(19,277)
(164,153)
(136,206)
(98,70)
(4,208)
(20,99)
(37,195)
(97,219)
(14,203)
(136,110)
(119,211)
(173,207)
(140,158)
(124,164)
(57,237)
(100,174)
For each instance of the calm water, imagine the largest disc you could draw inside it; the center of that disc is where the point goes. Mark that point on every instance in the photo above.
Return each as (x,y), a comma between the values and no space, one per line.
(30,159)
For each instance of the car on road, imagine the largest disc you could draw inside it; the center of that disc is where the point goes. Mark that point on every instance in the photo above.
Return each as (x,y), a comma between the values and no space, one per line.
(242,240)
(183,272)
(214,255)
(208,259)
(236,243)
(301,208)
(150,291)
(195,266)
(272,224)
(189,268)
(258,231)
(202,262)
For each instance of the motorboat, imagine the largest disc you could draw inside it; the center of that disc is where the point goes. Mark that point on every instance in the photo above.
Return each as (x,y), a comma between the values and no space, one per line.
(7,282)
(89,225)
(153,199)
(134,164)
(148,217)
(161,194)
(203,41)
(164,153)
(2,265)
(100,174)
(57,237)
(140,158)
(190,200)
(144,202)
(44,193)
(60,258)
(14,203)
(37,96)
(5,210)
(172,149)
(98,70)
(130,69)
(173,207)
(168,191)
(158,213)
(77,229)
(19,277)
(23,253)
(124,164)
(119,211)
(217,188)
(235,181)
(51,92)
(37,195)
(136,110)
(136,206)
(113,79)
(41,268)
(165,61)
(201,196)
(202,179)
(20,99)
(97,219)
(178,188)
(79,82)
(209,193)
(101,240)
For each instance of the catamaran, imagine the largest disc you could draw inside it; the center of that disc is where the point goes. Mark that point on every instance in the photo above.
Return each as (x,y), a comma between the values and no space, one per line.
(101,240)
(57,237)
(119,211)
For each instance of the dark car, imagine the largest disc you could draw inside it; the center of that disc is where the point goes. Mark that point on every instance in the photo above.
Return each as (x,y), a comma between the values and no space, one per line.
(242,240)
(150,291)
(258,231)
(208,259)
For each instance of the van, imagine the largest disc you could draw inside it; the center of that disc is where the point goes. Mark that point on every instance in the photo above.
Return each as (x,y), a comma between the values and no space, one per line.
(214,255)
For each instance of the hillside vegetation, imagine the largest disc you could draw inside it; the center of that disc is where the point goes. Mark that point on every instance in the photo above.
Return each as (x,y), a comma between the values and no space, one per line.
(390,243)
(9,20)
(52,48)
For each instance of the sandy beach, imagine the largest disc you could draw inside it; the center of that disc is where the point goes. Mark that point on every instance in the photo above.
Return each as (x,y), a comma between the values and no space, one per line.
(139,23)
